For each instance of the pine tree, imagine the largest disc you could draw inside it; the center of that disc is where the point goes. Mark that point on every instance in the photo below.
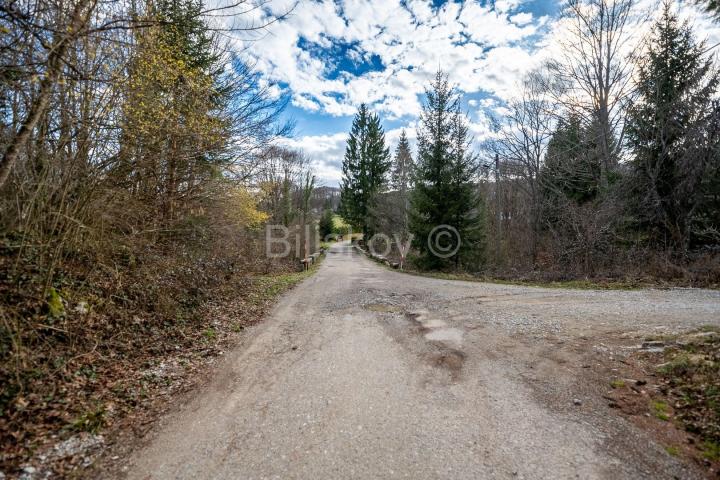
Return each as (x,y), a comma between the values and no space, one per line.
(401,178)
(365,167)
(403,165)
(183,26)
(175,127)
(671,130)
(572,166)
(327,224)
(444,192)
(194,44)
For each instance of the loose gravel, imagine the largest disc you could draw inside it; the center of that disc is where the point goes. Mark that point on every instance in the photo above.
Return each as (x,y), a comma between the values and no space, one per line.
(364,372)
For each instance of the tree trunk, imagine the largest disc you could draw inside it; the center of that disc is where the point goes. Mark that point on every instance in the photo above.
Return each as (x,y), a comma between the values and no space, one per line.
(39,106)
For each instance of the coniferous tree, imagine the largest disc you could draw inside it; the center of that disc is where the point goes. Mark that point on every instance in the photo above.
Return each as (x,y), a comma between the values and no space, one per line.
(327,224)
(672,133)
(444,192)
(572,168)
(183,27)
(365,167)
(175,128)
(403,165)
(401,177)
(576,207)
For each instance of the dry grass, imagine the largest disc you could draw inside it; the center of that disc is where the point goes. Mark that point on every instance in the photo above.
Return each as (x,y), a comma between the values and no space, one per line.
(73,355)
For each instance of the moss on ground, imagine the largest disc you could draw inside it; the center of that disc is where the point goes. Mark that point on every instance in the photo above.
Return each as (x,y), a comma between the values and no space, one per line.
(276,284)
(617,383)
(691,379)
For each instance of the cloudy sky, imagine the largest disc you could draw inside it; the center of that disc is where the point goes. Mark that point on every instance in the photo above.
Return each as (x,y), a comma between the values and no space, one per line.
(330,56)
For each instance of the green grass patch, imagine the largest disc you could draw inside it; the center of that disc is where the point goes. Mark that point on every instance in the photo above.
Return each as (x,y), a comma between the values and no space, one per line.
(617,384)
(680,364)
(271,286)
(672,451)
(91,421)
(691,375)
(660,409)
(711,450)
(572,284)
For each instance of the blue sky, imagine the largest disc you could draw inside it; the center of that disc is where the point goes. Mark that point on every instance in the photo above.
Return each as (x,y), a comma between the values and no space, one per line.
(329,56)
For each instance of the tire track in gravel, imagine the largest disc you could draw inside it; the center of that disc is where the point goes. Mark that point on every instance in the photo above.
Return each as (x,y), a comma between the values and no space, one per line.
(363,372)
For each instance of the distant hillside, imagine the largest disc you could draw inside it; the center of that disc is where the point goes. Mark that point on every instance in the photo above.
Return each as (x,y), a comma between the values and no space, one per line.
(321,195)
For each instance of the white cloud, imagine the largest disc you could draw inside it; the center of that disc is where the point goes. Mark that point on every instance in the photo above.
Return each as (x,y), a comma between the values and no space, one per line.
(411,39)
(326,153)
(305,103)
(521,18)
(485,47)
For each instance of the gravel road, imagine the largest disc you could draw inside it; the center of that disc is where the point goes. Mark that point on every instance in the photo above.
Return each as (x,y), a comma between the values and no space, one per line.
(364,372)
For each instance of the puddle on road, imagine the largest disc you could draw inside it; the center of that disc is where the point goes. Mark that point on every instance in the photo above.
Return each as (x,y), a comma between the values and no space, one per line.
(429,337)
(448,335)
(433,323)
(447,341)
(451,360)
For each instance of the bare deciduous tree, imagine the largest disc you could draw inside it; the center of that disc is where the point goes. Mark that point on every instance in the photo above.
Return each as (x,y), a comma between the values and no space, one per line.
(522,145)
(591,76)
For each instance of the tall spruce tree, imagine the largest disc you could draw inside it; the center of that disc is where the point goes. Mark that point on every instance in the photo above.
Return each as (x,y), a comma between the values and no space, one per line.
(403,169)
(403,165)
(365,168)
(672,132)
(175,126)
(327,223)
(444,192)
(184,28)
(572,167)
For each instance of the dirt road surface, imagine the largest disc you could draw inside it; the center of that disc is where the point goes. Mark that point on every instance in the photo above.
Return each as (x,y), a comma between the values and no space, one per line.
(364,372)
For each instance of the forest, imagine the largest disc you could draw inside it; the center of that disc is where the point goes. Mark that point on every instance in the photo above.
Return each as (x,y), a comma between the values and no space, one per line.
(143,159)
(139,165)
(606,166)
